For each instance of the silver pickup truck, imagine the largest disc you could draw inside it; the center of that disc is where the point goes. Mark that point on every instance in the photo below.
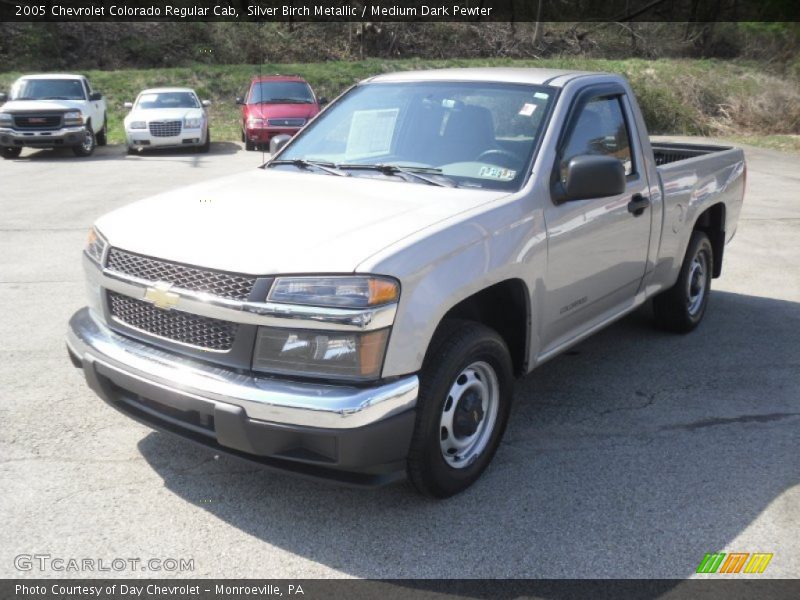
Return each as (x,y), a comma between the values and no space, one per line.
(358,308)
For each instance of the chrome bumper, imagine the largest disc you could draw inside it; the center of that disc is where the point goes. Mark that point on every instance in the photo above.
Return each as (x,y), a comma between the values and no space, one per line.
(65,135)
(265,399)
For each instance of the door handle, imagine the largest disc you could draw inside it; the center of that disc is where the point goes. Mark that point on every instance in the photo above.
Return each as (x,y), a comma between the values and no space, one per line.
(638,204)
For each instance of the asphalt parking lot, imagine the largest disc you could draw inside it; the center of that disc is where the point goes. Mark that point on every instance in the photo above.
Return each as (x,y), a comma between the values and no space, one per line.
(632,455)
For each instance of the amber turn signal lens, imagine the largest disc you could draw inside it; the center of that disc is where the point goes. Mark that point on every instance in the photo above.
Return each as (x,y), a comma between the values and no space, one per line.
(382,291)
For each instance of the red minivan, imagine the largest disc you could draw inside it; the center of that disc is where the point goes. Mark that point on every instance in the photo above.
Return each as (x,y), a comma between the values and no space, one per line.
(276,104)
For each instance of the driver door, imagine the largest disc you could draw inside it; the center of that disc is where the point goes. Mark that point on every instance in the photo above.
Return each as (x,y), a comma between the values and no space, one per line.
(597,248)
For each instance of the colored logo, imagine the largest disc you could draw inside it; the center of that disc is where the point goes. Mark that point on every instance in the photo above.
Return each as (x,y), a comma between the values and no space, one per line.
(161,296)
(734,562)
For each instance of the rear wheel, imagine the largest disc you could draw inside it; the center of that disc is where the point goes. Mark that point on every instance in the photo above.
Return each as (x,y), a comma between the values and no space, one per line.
(466,385)
(102,135)
(87,146)
(681,307)
(11,151)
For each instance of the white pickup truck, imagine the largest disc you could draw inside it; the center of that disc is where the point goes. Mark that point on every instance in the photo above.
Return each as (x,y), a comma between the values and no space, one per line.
(51,111)
(358,308)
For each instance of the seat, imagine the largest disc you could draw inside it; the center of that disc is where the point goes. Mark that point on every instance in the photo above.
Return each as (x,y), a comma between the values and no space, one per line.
(467,134)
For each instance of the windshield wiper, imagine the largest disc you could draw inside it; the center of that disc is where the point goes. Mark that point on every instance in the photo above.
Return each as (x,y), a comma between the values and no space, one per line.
(302,163)
(411,171)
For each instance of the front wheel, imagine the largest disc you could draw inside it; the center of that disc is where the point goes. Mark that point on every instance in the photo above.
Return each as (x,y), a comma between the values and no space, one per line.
(466,386)
(87,146)
(207,144)
(11,151)
(681,307)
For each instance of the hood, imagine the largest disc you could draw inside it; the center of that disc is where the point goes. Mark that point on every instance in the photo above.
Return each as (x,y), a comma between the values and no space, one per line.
(42,105)
(265,222)
(282,111)
(164,114)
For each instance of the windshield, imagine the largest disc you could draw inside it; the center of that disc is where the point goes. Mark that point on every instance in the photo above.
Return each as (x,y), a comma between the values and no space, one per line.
(475,134)
(280,92)
(167,100)
(48,89)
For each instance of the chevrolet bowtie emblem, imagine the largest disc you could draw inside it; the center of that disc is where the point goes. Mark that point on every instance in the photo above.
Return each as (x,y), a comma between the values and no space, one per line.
(160,295)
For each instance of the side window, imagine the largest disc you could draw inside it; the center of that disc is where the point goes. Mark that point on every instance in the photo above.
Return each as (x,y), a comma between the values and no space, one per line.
(599,129)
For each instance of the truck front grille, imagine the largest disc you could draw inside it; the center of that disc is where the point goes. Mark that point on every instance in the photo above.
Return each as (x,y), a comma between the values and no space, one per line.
(286,122)
(194,330)
(165,128)
(226,285)
(37,121)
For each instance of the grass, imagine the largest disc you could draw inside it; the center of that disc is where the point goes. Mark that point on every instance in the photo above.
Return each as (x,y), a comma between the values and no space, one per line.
(731,99)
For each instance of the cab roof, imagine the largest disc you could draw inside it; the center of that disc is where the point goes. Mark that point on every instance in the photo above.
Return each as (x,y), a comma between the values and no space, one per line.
(166,90)
(535,76)
(52,76)
(278,78)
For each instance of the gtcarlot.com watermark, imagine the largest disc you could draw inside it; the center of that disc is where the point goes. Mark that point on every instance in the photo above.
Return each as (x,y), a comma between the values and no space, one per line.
(61,564)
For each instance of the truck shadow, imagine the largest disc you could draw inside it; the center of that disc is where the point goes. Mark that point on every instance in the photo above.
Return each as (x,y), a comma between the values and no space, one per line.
(119,152)
(631,456)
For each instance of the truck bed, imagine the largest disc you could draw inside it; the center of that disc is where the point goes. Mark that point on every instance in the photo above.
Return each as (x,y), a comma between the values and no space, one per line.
(666,153)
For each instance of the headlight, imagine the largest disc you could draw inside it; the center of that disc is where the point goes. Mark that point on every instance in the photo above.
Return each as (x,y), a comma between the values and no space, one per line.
(5,120)
(193,123)
(96,246)
(255,122)
(137,125)
(346,291)
(328,354)
(73,117)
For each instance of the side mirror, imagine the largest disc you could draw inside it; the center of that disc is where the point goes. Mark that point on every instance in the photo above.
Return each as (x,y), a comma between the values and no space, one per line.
(239,100)
(3,97)
(323,101)
(95,96)
(206,103)
(591,176)
(128,105)
(278,142)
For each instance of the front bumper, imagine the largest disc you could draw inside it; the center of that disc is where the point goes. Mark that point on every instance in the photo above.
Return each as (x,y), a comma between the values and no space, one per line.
(350,434)
(142,138)
(66,136)
(262,135)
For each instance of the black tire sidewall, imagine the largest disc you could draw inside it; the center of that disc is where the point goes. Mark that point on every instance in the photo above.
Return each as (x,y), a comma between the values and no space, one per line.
(442,480)
(11,151)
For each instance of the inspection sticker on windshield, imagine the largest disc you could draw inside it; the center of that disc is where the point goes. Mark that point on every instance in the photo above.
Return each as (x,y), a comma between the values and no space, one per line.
(527,109)
(497,173)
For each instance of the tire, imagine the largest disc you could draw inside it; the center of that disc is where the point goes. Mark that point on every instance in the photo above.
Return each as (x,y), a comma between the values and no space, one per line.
(9,152)
(207,145)
(88,145)
(466,363)
(249,146)
(681,308)
(132,151)
(102,135)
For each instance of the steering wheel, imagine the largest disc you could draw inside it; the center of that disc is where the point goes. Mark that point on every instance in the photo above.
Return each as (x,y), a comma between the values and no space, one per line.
(512,159)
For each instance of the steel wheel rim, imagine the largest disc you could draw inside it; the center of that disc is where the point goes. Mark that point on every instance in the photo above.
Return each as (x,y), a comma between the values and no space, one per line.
(697,283)
(473,400)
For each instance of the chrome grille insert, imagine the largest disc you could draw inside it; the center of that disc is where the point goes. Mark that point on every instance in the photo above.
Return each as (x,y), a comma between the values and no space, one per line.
(165,128)
(226,285)
(193,330)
